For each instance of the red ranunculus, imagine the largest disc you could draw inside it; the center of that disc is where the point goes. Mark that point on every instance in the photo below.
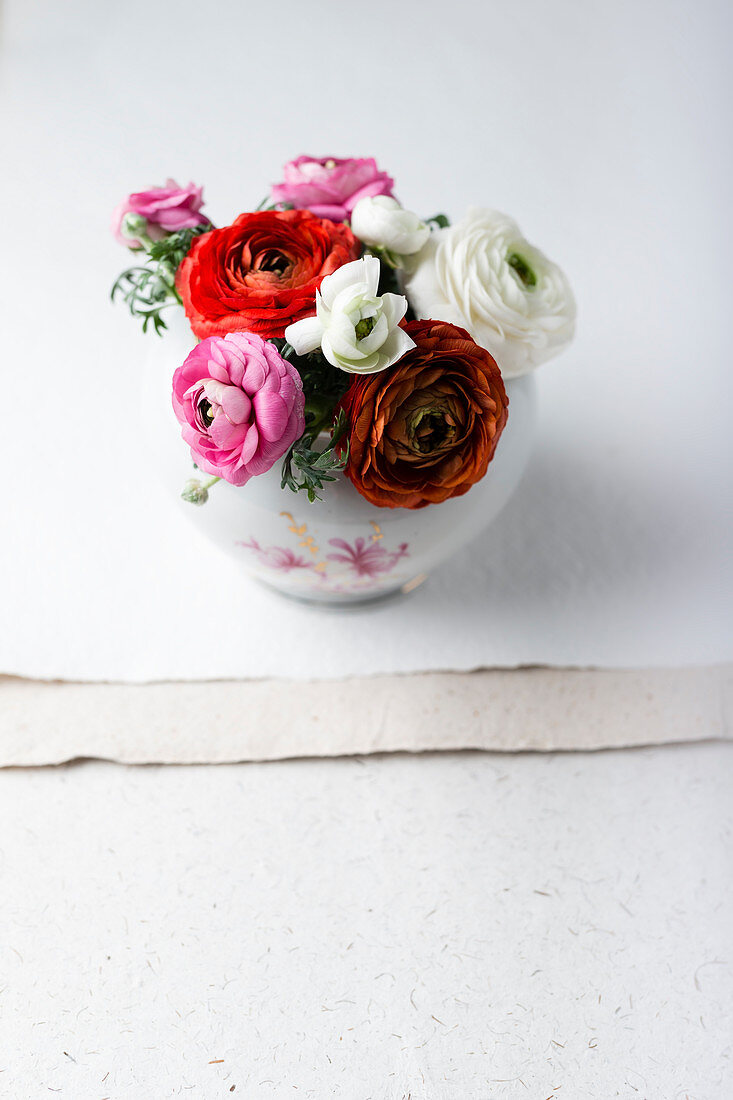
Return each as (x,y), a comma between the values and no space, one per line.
(261,273)
(426,428)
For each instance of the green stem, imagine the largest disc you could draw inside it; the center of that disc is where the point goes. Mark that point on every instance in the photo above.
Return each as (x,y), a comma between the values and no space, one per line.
(322,413)
(168,277)
(143,238)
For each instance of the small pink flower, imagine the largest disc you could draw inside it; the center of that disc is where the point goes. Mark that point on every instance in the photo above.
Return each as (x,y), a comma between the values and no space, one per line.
(240,404)
(166,209)
(279,558)
(330,186)
(367,559)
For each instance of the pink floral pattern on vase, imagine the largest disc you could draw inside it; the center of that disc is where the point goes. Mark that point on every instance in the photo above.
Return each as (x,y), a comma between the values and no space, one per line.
(277,557)
(367,559)
(359,566)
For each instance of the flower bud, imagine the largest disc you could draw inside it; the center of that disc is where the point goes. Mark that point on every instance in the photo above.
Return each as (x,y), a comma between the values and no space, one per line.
(381,223)
(134,227)
(194,492)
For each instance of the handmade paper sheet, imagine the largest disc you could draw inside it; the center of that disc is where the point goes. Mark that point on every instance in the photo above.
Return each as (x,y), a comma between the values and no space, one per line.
(216,722)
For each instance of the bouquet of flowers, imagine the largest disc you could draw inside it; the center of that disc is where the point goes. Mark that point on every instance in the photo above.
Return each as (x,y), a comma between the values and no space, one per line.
(340,332)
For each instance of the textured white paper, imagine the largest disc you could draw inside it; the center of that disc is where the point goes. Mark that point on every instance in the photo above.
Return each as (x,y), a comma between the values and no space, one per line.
(597,126)
(189,723)
(456,927)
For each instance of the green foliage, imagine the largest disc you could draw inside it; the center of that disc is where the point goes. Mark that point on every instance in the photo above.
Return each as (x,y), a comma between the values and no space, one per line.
(268,204)
(173,249)
(308,469)
(148,290)
(439,220)
(304,467)
(323,384)
(146,295)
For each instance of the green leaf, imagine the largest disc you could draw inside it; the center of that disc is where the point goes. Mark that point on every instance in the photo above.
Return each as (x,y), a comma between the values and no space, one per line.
(308,470)
(148,290)
(268,204)
(174,248)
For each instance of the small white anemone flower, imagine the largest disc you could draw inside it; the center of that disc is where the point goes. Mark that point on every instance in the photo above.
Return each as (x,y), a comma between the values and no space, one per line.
(356,329)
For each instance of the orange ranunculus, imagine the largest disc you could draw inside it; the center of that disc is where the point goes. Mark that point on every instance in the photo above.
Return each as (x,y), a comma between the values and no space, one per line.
(426,428)
(261,273)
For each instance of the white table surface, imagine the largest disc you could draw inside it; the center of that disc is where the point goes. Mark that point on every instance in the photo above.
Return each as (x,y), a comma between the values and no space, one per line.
(448,927)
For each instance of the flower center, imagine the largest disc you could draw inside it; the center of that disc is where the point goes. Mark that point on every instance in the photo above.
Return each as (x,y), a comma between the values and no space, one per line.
(522,270)
(431,429)
(273,260)
(364,327)
(205,412)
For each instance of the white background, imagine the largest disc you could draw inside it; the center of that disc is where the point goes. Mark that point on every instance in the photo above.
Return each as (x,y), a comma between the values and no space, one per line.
(600,127)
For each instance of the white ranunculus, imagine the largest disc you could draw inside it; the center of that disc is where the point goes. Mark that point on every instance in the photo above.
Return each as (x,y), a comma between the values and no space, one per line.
(356,329)
(380,222)
(483,275)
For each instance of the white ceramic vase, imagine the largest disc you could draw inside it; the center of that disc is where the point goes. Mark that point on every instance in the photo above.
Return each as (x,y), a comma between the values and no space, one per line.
(341,550)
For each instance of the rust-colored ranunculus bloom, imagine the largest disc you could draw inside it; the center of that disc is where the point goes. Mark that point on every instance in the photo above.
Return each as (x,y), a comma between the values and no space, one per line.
(425,429)
(261,273)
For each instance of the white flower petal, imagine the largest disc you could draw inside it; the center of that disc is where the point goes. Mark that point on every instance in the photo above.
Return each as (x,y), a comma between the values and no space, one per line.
(374,340)
(328,351)
(350,298)
(398,344)
(346,299)
(304,335)
(394,308)
(369,365)
(382,223)
(462,275)
(372,271)
(342,342)
(348,275)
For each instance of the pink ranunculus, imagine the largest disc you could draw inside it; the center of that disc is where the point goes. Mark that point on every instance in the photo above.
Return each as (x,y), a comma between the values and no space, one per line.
(331,186)
(166,209)
(240,404)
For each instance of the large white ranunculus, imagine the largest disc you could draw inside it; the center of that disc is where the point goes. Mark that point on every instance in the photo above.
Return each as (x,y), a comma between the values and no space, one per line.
(483,275)
(380,222)
(355,328)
